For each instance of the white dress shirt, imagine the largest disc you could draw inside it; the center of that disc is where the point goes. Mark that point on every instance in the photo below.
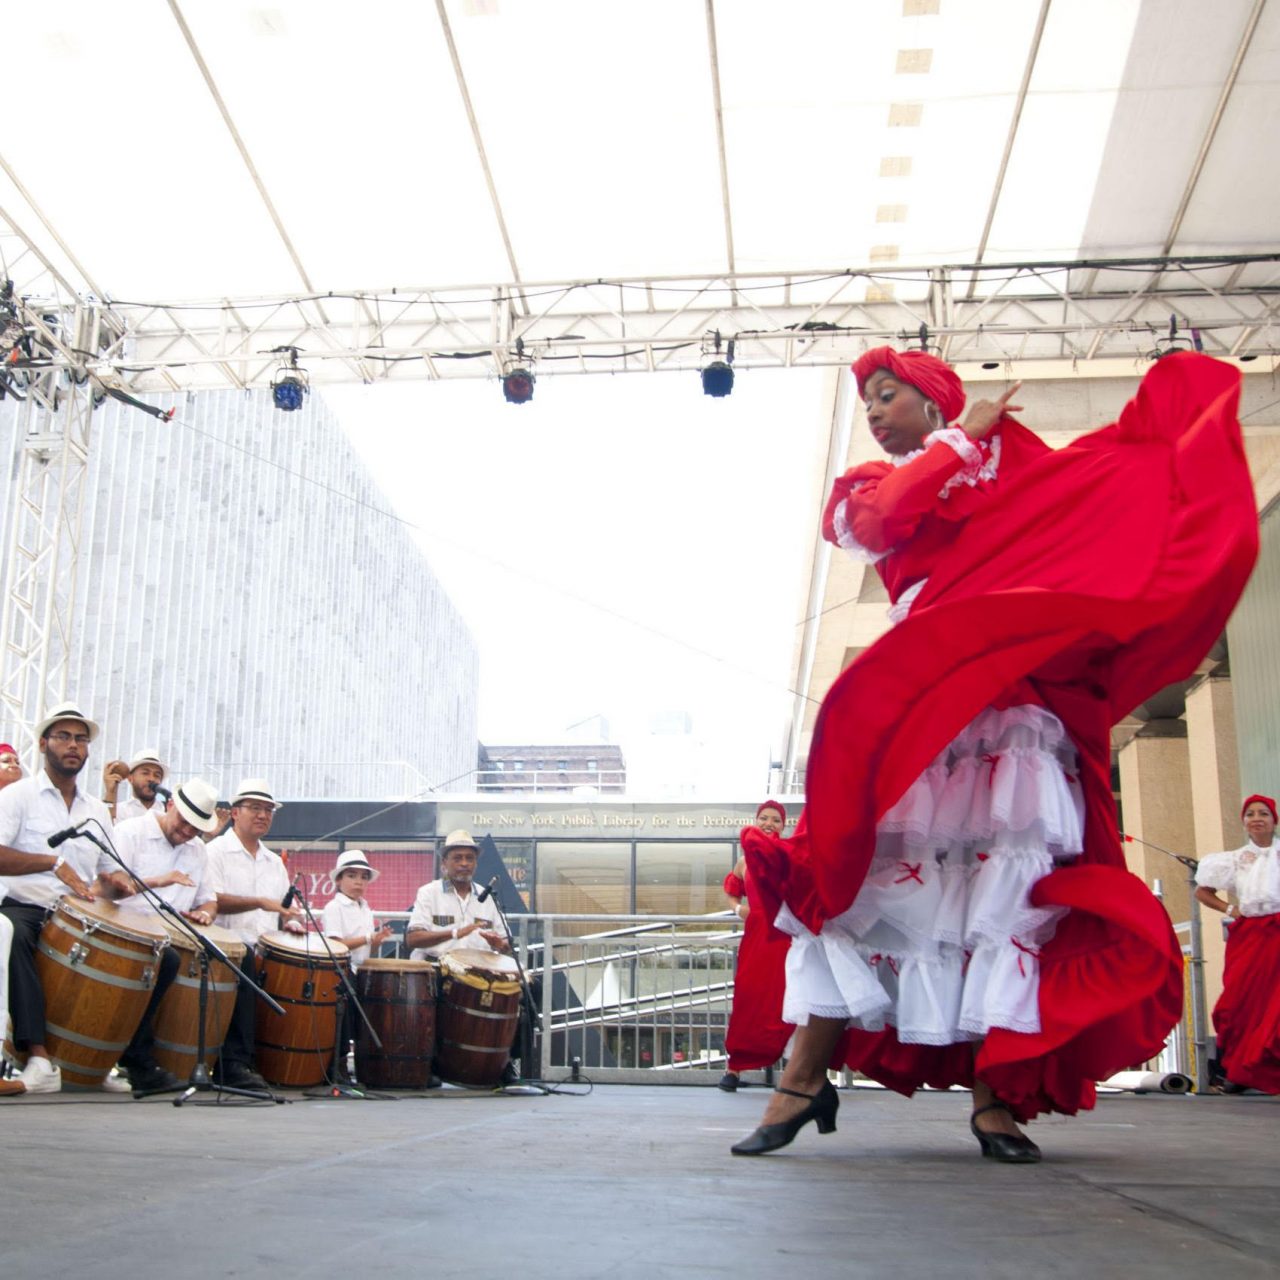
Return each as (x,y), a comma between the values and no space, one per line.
(438,906)
(31,810)
(1252,874)
(131,807)
(147,853)
(344,917)
(236,871)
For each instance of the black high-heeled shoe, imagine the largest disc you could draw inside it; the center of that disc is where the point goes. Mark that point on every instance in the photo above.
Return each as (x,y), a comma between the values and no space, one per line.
(769,1137)
(1008,1148)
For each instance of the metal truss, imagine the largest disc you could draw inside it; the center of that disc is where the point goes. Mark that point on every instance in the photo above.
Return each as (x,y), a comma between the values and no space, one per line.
(1114,310)
(43,543)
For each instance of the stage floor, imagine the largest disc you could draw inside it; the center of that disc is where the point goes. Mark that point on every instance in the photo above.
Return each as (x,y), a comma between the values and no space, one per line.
(629,1182)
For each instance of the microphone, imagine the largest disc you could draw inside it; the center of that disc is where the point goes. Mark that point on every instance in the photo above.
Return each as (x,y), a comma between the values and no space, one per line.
(293,894)
(59,836)
(163,792)
(484,894)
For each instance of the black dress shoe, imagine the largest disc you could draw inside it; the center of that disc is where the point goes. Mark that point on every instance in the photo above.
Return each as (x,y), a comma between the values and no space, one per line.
(769,1137)
(239,1075)
(1008,1148)
(153,1078)
(510,1074)
(729,1082)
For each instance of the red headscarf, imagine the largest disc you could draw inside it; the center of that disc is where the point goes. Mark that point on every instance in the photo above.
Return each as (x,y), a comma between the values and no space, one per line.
(7,750)
(1267,800)
(773,804)
(930,376)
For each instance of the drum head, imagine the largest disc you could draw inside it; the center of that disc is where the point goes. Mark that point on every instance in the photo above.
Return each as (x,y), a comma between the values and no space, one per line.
(398,966)
(489,964)
(222,938)
(302,944)
(128,924)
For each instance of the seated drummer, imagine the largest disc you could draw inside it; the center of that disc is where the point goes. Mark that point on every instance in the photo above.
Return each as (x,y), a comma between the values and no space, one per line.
(162,848)
(250,881)
(35,876)
(447,914)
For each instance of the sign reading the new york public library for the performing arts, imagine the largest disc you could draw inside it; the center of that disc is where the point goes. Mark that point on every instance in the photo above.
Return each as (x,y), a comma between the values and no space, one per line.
(586,820)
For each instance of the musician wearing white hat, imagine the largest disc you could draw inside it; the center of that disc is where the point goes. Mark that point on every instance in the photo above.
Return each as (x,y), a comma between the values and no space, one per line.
(34,876)
(347,916)
(163,849)
(250,882)
(144,773)
(448,913)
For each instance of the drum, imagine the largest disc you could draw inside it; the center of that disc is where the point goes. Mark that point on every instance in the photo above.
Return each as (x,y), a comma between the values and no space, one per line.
(296,1050)
(479,1011)
(97,967)
(177,1021)
(399,997)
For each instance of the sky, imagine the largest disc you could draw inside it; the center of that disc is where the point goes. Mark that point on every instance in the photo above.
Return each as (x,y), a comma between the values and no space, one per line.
(621,546)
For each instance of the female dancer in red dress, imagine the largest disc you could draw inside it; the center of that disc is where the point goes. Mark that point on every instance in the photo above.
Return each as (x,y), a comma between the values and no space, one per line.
(756,1035)
(957,899)
(1247,1015)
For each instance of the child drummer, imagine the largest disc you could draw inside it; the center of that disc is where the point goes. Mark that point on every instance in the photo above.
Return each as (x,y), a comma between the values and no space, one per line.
(349,918)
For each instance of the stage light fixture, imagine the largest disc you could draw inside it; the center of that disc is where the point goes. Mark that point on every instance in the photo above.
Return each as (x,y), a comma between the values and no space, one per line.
(517,385)
(991,364)
(291,385)
(717,373)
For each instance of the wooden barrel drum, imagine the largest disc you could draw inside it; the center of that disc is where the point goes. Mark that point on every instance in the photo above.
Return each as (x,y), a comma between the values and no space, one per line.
(479,1011)
(399,997)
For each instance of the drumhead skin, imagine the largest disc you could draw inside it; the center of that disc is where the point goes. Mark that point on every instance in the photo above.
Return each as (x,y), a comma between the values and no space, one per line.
(303,944)
(108,915)
(222,938)
(399,966)
(462,960)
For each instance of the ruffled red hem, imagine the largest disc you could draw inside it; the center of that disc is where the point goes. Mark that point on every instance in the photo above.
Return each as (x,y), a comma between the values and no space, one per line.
(1247,1016)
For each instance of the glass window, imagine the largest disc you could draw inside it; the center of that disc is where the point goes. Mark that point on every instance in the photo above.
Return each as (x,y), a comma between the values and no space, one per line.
(498,766)
(682,878)
(518,765)
(592,766)
(583,877)
(562,765)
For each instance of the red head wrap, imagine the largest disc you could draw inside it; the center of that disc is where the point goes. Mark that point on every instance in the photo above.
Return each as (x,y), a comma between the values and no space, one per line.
(930,376)
(1267,800)
(773,804)
(7,750)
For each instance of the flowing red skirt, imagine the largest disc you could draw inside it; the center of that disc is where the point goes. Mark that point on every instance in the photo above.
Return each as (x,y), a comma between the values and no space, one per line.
(1247,1016)
(1097,575)
(757,1034)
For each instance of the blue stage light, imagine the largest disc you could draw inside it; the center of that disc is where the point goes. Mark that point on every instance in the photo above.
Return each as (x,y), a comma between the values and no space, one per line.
(717,378)
(288,393)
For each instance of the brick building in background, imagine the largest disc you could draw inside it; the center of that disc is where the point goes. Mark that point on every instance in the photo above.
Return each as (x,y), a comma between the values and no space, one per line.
(566,768)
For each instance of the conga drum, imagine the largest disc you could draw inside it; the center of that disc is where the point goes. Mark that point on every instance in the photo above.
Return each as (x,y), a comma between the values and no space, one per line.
(177,1021)
(399,998)
(97,967)
(296,1050)
(479,1011)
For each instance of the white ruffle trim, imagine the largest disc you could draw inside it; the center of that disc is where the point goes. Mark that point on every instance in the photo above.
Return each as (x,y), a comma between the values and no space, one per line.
(845,538)
(942,940)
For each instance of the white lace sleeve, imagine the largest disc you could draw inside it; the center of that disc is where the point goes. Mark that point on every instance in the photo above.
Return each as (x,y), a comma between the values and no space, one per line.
(845,538)
(978,464)
(1216,871)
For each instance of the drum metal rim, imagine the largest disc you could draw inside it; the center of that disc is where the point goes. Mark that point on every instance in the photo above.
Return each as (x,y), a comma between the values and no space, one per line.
(99,975)
(95,938)
(85,1042)
(504,1049)
(72,908)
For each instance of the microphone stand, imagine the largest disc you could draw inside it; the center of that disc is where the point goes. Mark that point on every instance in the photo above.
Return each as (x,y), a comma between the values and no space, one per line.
(338,1086)
(208,950)
(525,1087)
(1199,1022)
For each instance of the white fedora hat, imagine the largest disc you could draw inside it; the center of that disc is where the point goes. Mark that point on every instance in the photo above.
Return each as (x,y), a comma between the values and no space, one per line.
(149,755)
(354,860)
(459,839)
(197,801)
(66,711)
(253,789)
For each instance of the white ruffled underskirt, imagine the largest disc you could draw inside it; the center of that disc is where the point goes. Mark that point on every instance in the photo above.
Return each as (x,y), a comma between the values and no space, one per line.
(942,941)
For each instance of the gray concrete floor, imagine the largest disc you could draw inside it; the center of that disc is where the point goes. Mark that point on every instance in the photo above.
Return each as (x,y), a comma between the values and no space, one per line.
(629,1182)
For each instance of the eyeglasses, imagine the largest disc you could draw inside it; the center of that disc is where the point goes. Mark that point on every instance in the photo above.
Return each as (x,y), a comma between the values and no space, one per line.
(62,738)
(258,808)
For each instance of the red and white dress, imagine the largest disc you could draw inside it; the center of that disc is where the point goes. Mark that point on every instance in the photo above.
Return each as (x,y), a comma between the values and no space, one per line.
(1246,1018)
(956,876)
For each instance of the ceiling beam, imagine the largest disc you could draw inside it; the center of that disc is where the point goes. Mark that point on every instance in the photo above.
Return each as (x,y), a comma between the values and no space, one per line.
(713,49)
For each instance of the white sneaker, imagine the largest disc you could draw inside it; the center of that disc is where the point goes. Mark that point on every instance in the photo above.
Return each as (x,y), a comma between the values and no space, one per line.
(41,1076)
(116,1083)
